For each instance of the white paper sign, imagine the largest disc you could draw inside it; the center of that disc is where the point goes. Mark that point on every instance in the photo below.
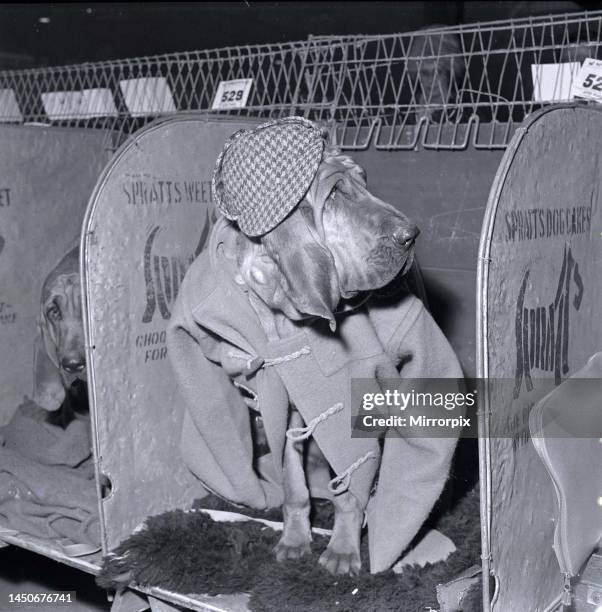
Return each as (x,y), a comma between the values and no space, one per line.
(552,82)
(147,96)
(79,104)
(588,83)
(232,94)
(9,107)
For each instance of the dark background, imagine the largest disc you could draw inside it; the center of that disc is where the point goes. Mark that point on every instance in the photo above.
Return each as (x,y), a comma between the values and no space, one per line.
(45,34)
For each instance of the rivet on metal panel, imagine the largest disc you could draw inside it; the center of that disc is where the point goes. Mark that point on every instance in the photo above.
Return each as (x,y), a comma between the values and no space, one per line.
(92,237)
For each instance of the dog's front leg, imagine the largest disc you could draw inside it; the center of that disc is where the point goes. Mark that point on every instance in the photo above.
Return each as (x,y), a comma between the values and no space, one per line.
(342,556)
(296,533)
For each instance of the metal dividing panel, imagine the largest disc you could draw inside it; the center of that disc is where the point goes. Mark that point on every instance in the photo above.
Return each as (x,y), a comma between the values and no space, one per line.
(445,193)
(539,296)
(46,177)
(148,218)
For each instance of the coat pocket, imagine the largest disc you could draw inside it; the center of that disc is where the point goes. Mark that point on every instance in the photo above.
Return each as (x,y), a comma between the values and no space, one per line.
(355,339)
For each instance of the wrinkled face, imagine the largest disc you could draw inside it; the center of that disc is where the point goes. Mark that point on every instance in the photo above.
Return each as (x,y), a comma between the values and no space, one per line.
(371,242)
(340,240)
(64,331)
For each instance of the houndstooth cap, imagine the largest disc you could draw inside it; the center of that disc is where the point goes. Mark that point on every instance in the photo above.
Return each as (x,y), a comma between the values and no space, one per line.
(262,174)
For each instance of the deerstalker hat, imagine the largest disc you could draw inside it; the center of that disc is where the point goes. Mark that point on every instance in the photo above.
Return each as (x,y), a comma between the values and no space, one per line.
(262,174)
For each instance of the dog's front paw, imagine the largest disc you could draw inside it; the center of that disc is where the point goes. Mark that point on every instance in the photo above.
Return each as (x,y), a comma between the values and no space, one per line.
(296,534)
(291,548)
(339,559)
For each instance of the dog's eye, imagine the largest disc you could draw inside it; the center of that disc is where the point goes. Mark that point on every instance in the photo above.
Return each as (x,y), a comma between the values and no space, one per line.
(53,312)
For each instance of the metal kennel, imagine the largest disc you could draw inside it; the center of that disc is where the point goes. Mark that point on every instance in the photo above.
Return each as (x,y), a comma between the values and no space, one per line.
(538,323)
(428,114)
(149,217)
(46,177)
(460,91)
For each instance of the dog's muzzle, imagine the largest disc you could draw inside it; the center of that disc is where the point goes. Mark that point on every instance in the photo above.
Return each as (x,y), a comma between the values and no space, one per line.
(73,369)
(405,236)
(73,365)
(392,256)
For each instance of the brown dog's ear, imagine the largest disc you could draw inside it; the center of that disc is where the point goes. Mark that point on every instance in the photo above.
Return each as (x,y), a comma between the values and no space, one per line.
(309,275)
(48,389)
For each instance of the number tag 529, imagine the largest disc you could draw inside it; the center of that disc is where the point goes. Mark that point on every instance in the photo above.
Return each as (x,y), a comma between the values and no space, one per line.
(588,83)
(232,94)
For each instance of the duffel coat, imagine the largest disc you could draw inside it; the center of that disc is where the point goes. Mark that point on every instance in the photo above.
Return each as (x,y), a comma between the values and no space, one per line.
(221,355)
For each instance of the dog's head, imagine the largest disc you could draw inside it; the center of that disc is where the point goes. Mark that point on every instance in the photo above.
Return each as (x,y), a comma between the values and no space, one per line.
(338,241)
(60,350)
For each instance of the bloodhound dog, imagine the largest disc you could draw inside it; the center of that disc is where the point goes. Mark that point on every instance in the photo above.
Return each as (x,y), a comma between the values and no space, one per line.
(338,242)
(60,361)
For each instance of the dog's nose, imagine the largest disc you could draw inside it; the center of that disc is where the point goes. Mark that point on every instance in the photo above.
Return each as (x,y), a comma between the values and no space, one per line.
(73,365)
(405,235)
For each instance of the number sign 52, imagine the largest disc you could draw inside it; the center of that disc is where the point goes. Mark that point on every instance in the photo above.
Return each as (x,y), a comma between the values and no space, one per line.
(232,94)
(594,81)
(588,83)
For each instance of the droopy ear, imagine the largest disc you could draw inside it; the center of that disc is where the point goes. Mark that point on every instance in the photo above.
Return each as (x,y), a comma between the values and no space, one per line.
(308,268)
(48,389)
(332,156)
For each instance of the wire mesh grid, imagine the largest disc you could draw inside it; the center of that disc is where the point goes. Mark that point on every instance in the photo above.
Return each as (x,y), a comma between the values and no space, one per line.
(439,87)
(124,95)
(442,86)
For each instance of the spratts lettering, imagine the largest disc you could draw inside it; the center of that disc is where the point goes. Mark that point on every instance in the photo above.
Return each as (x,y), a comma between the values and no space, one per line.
(538,223)
(155,354)
(144,192)
(542,332)
(155,192)
(153,345)
(198,191)
(150,339)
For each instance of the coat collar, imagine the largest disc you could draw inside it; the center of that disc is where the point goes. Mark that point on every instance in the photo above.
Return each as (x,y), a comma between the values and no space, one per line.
(226,310)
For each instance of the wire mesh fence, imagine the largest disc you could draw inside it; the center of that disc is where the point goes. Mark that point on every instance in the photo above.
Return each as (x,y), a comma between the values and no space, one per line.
(440,87)
(124,95)
(446,85)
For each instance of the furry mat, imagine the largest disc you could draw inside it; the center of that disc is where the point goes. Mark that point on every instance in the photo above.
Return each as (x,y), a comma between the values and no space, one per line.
(188,552)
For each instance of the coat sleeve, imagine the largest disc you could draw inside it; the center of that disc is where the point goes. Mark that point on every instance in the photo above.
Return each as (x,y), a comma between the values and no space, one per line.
(413,470)
(216,441)
(419,344)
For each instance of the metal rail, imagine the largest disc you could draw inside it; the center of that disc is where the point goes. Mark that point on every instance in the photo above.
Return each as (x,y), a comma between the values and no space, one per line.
(441,88)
